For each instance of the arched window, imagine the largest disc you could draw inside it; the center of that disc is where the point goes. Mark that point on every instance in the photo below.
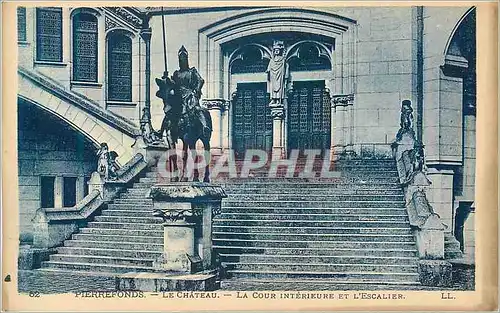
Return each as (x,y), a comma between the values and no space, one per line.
(49,34)
(119,68)
(85,47)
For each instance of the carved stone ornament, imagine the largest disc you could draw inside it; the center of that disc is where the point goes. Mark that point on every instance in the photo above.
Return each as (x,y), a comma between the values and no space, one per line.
(342,100)
(109,23)
(126,15)
(173,215)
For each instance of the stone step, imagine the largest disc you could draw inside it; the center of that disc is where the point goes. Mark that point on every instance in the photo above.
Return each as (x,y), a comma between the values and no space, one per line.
(313,238)
(118,238)
(299,223)
(121,206)
(142,185)
(92,267)
(128,213)
(299,173)
(93,259)
(113,244)
(410,251)
(312,196)
(321,267)
(314,203)
(313,230)
(143,201)
(285,190)
(142,254)
(129,219)
(313,259)
(138,226)
(274,185)
(316,284)
(313,217)
(300,244)
(309,210)
(158,232)
(339,276)
(279,180)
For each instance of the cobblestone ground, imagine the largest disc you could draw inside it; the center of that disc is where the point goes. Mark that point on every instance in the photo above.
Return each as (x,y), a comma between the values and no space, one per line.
(62,282)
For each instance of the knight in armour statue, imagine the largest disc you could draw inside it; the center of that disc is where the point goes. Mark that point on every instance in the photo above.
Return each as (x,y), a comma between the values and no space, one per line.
(189,84)
(277,74)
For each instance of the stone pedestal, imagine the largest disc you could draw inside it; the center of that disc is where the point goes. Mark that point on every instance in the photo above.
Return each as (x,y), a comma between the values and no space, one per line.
(187,210)
(152,153)
(178,243)
(278,115)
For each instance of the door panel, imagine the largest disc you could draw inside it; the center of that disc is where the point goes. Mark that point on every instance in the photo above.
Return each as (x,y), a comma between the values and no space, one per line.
(309,113)
(252,122)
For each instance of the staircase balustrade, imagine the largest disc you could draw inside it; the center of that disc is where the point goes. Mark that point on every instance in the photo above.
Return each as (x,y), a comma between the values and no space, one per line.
(54,225)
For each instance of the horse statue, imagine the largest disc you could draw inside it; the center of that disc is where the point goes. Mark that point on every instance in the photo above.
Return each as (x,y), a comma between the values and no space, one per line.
(184,118)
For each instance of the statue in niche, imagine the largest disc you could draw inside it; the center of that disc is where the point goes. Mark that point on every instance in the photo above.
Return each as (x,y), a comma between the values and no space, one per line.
(277,74)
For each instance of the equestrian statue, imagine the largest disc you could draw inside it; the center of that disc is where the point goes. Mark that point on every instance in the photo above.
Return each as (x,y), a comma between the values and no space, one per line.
(185,118)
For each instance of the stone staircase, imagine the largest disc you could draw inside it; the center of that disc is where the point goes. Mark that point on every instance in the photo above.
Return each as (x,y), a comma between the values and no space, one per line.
(293,233)
(297,233)
(123,237)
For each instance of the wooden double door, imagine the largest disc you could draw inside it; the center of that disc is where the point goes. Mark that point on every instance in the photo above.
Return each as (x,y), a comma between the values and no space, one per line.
(308,117)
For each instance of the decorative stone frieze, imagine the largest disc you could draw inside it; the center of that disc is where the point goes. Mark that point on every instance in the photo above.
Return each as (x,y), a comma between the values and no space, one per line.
(127,16)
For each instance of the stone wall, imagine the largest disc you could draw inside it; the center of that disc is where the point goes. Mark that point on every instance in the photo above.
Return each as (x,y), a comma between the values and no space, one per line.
(47,148)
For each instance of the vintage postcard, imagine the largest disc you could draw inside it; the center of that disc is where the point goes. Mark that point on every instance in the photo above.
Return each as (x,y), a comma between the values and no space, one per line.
(182,156)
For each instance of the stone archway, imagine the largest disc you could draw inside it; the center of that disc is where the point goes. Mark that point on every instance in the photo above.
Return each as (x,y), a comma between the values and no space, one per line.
(268,21)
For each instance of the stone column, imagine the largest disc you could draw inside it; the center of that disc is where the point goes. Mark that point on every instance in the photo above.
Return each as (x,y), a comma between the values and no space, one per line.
(146,36)
(58,192)
(278,116)
(341,140)
(216,107)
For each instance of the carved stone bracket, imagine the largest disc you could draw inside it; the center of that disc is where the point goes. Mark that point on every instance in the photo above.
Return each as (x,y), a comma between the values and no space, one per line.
(342,100)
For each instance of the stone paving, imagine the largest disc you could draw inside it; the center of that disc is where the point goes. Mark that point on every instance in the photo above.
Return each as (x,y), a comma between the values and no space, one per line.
(46,282)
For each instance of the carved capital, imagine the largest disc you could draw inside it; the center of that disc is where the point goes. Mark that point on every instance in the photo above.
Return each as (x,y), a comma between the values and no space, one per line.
(277,112)
(342,100)
(146,34)
(215,104)
(173,215)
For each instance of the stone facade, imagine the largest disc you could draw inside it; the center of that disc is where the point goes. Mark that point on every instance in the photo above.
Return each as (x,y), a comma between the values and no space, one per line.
(374,58)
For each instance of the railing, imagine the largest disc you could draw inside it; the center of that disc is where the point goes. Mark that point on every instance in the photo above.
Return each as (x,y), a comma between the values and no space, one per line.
(54,225)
